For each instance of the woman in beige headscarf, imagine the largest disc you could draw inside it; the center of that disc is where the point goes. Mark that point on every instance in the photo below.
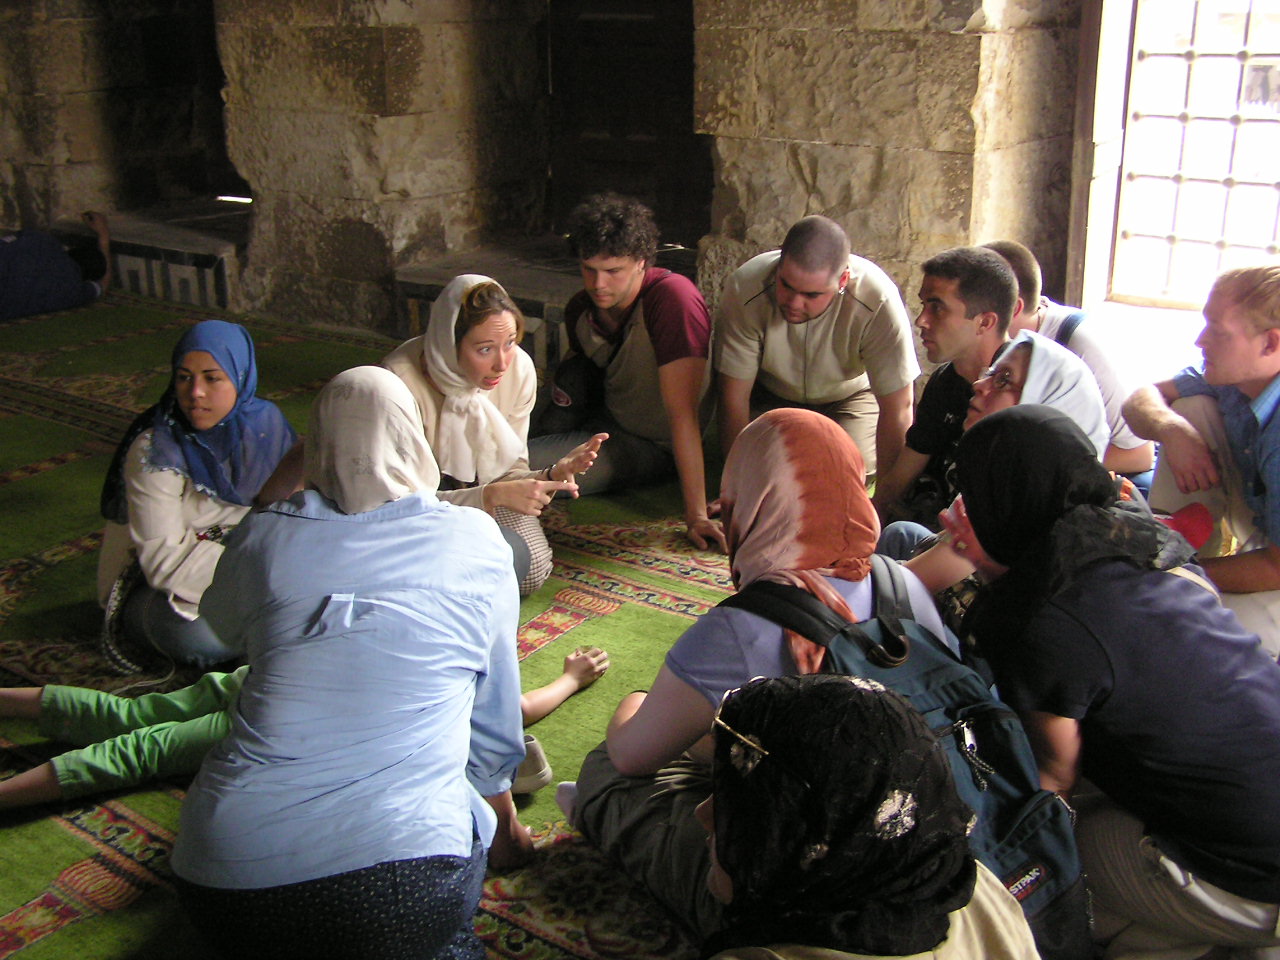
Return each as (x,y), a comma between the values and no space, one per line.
(373,743)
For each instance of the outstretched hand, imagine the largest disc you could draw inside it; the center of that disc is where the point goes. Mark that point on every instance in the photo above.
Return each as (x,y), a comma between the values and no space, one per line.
(586,666)
(579,459)
(955,522)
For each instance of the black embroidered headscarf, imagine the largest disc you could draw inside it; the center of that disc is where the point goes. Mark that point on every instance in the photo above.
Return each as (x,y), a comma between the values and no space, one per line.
(849,833)
(1042,505)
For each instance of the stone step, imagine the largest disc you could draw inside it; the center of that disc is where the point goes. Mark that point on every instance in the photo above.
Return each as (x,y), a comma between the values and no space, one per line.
(188,254)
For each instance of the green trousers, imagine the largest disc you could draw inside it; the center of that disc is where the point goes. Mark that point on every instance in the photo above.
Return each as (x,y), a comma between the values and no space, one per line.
(127,741)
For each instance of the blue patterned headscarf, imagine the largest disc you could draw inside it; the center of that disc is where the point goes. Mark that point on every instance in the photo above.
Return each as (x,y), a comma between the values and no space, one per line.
(230,461)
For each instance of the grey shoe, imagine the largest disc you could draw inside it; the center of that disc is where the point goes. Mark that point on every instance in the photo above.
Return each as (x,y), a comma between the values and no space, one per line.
(534,773)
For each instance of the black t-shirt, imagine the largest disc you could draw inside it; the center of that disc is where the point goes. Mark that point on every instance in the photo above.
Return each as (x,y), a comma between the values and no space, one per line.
(1179,711)
(939,423)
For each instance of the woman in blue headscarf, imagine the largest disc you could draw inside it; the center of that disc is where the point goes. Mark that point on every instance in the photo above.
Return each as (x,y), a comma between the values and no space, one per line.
(186,471)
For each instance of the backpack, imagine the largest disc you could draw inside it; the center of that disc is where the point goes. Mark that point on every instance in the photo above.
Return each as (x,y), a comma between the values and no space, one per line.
(1022,833)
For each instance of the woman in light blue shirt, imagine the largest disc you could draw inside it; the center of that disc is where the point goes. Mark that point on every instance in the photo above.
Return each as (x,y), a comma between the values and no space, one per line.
(345,814)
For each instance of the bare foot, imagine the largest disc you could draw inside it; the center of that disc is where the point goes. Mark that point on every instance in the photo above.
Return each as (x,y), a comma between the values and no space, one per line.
(567,799)
(97,222)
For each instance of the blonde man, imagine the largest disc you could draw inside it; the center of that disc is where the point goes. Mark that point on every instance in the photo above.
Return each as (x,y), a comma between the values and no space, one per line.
(1219,441)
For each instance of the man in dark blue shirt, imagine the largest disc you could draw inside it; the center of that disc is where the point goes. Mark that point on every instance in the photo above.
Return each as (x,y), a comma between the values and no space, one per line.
(37,275)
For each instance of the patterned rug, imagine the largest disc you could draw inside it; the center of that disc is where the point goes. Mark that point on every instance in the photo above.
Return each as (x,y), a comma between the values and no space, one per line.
(93,880)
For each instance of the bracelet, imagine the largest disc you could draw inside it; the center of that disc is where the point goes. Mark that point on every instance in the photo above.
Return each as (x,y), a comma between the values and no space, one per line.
(547,471)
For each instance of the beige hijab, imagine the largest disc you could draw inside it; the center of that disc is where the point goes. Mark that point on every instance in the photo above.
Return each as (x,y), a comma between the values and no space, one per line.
(474,441)
(364,443)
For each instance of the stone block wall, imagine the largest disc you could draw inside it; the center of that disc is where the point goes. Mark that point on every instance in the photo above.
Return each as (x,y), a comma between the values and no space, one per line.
(108,105)
(918,125)
(376,133)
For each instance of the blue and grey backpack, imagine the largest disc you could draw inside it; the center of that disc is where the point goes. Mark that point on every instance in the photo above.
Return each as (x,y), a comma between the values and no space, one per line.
(1022,833)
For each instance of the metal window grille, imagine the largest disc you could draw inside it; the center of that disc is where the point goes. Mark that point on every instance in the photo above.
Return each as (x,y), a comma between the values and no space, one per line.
(1200,178)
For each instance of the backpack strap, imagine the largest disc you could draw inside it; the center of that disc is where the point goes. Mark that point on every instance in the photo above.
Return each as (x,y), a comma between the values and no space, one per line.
(575,344)
(1069,327)
(892,604)
(796,609)
(1195,578)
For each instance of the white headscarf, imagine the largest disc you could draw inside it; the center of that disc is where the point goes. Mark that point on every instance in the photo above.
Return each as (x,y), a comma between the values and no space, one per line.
(1057,378)
(364,443)
(474,441)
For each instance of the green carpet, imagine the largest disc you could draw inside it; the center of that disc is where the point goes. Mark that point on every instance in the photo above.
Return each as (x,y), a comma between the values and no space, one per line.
(93,881)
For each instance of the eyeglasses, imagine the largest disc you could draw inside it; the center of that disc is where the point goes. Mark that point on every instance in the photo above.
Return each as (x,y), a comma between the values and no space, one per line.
(1001,378)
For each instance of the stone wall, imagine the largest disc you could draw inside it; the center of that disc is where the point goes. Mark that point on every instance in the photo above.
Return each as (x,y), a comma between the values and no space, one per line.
(108,105)
(376,133)
(918,125)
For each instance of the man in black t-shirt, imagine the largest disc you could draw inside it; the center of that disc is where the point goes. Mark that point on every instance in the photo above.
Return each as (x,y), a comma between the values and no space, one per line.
(967,298)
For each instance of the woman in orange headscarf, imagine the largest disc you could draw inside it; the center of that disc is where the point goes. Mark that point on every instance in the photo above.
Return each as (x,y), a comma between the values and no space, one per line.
(796,511)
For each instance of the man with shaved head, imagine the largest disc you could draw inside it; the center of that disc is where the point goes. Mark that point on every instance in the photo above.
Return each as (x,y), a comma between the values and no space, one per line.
(811,325)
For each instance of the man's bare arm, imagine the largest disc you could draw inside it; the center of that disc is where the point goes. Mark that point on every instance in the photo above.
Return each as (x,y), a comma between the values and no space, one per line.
(735,408)
(891,427)
(680,382)
(1151,416)
(1249,572)
(1130,459)
(892,485)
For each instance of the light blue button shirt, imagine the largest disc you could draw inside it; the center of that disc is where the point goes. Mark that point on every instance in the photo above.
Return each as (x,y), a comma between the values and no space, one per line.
(383,696)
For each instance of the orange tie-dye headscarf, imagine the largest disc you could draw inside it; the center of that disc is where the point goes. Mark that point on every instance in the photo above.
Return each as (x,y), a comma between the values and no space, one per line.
(796,509)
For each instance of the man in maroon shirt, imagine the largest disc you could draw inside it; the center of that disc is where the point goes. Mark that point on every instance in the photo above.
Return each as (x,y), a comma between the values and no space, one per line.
(648,332)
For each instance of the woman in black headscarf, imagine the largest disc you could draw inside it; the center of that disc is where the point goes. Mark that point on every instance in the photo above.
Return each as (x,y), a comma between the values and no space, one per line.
(836,830)
(1126,670)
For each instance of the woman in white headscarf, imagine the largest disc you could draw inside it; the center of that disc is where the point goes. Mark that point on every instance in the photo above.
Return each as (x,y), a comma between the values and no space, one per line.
(1035,369)
(475,387)
(345,813)
(1031,370)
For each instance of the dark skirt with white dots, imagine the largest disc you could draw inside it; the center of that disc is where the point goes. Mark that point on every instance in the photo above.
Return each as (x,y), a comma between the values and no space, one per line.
(399,910)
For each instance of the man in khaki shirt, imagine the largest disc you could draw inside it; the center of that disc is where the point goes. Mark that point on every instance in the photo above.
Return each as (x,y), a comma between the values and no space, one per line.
(812,326)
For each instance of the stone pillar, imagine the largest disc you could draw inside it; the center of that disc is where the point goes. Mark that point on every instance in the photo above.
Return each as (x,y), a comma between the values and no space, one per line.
(1025,117)
(106,106)
(917,125)
(373,134)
